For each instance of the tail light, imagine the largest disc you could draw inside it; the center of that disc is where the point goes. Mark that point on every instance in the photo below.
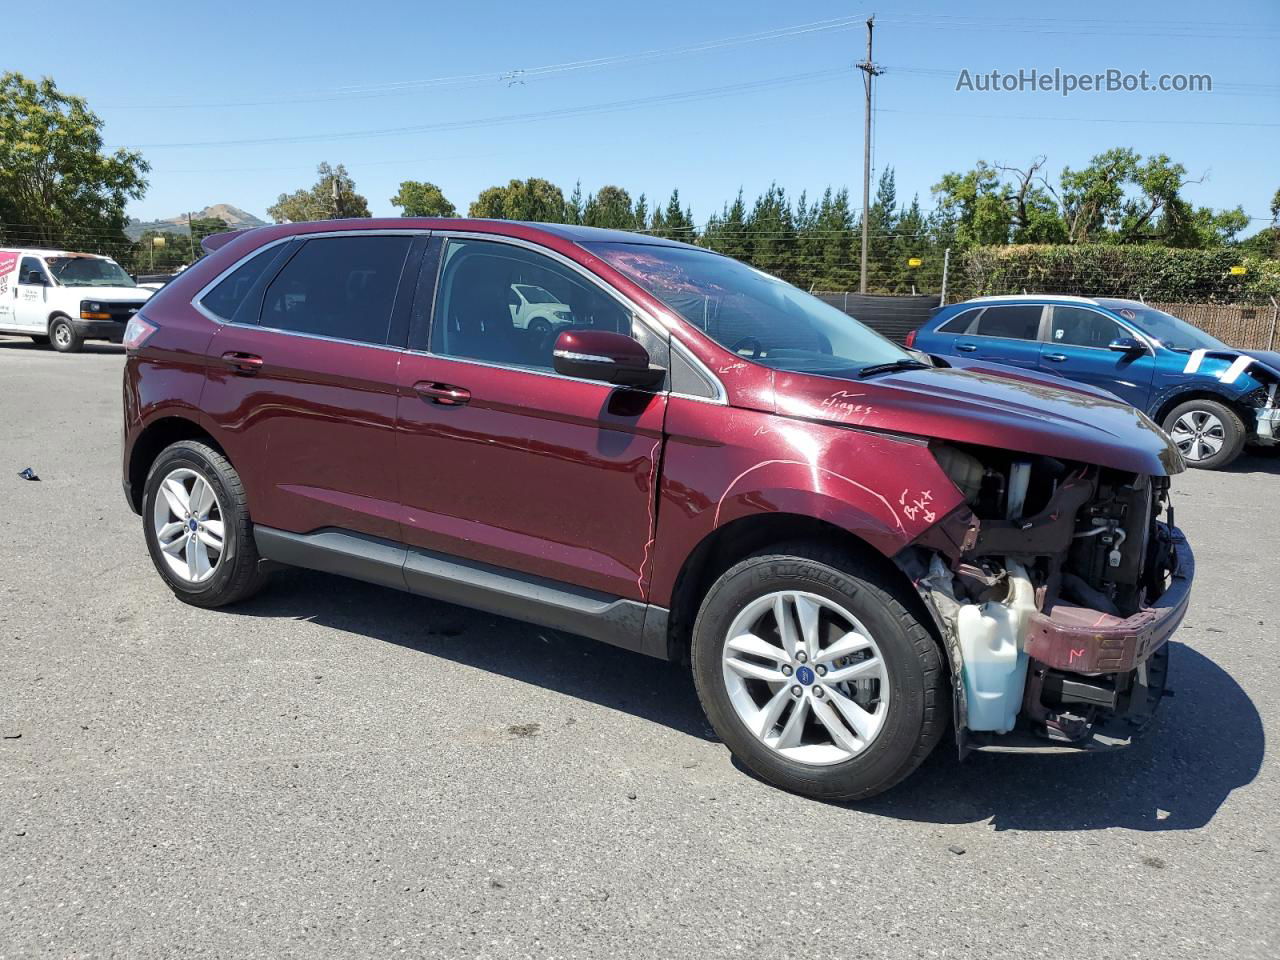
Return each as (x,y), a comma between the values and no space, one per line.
(911,339)
(137,332)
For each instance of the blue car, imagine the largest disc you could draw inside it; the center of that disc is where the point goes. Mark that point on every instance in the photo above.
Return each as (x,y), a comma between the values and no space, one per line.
(1210,398)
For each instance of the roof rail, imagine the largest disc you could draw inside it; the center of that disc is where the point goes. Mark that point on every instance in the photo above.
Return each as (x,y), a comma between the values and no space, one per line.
(1036,296)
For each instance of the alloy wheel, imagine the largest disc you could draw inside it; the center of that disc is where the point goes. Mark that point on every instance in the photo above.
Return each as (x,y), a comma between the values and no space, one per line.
(805,677)
(62,334)
(188,525)
(1198,435)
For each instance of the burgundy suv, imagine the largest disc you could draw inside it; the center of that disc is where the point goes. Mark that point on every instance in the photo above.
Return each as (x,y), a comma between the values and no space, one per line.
(849,543)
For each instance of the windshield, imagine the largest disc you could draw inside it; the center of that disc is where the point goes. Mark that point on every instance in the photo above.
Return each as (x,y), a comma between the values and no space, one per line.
(88,272)
(755,315)
(535,294)
(1169,330)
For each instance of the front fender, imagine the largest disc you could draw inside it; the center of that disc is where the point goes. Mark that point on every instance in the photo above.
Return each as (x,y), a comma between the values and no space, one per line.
(886,490)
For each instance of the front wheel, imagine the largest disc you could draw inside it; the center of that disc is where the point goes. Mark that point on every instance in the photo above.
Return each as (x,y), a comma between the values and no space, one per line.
(64,336)
(197,527)
(1208,434)
(816,674)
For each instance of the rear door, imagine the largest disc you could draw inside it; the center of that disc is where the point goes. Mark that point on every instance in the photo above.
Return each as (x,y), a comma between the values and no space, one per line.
(1077,349)
(303,382)
(1005,333)
(502,460)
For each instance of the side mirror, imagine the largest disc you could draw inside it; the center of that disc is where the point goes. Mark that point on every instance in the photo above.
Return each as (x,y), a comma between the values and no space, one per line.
(1126,345)
(610,357)
(36,277)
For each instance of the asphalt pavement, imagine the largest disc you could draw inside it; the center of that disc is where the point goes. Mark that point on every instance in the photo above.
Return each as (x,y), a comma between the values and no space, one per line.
(337,770)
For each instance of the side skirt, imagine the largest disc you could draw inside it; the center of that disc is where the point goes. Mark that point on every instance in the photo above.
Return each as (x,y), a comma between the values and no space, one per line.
(629,624)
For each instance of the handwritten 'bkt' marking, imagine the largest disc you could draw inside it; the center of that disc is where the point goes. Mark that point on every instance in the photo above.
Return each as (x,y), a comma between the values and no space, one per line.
(1074,654)
(731,367)
(917,506)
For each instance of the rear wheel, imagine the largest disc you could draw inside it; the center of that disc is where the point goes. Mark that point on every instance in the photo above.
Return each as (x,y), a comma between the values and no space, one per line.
(64,336)
(1208,434)
(816,675)
(197,526)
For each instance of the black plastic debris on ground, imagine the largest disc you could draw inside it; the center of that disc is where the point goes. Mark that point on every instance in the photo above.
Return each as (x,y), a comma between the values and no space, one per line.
(28,474)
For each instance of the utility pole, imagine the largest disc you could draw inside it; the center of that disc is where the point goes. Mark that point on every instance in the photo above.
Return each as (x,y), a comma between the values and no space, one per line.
(191,235)
(869,70)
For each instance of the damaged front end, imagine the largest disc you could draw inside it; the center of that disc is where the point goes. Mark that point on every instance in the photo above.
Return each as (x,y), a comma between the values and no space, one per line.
(1056,587)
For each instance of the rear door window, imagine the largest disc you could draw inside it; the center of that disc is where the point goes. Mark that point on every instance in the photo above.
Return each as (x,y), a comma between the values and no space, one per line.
(1013,322)
(340,288)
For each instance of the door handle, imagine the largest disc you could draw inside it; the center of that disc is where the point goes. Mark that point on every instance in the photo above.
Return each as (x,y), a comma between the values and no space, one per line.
(243,363)
(966,347)
(445,394)
(1055,357)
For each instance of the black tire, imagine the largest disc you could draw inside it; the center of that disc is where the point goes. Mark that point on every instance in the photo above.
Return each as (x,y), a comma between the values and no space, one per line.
(539,327)
(63,334)
(919,701)
(1233,429)
(239,573)
(40,341)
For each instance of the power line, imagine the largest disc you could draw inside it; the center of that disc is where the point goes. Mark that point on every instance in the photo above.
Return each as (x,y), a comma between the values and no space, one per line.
(814,76)
(521,74)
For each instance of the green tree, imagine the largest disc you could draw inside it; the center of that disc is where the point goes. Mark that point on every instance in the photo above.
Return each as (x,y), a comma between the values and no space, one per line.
(771,234)
(575,206)
(535,200)
(609,207)
(332,197)
(726,232)
(55,179)
(881,223)
(973,207)
(421,199)
(676,222)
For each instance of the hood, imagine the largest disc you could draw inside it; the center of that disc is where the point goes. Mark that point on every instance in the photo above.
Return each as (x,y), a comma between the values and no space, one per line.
(111,294)
(1267,358)
(991,409)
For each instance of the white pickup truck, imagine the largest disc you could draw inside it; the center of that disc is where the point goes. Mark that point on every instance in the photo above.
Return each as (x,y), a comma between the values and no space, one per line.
(66,298)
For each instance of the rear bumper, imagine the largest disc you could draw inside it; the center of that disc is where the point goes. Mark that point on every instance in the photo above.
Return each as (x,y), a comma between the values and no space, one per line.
(1086,641)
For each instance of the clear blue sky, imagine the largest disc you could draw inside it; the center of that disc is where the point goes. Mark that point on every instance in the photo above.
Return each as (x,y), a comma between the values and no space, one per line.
(162,74)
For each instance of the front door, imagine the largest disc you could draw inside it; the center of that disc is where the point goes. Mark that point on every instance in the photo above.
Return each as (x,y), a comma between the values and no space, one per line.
(504,462)
(1077,349)
(303,383)
(30,309)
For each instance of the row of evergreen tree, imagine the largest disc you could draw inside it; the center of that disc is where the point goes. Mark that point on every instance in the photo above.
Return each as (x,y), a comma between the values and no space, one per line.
(812,242)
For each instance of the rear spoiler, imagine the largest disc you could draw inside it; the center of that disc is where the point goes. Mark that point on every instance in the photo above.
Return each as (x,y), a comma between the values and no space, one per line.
(217,241)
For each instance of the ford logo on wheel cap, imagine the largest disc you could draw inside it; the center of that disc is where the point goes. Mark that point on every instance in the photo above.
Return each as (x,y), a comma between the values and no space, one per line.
(804,675)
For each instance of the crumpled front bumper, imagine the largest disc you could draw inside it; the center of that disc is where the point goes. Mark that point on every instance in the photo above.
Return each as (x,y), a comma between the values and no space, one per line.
(1086,641)
(1268,427)
(1121,664)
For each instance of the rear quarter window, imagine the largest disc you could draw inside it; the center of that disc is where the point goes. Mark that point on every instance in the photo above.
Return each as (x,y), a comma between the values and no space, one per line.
(224,299)
(962,322)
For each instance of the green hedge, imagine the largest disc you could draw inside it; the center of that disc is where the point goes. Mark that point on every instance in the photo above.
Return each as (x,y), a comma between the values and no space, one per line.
(1101,270)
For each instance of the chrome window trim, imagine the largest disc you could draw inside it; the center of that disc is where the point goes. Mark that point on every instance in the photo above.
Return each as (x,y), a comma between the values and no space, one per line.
(655,326)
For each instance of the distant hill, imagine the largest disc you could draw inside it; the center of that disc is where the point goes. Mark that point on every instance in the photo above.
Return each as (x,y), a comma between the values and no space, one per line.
(232,216)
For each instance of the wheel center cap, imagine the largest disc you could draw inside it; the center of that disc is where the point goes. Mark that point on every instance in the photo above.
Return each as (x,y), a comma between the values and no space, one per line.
(192,525)
(804,675)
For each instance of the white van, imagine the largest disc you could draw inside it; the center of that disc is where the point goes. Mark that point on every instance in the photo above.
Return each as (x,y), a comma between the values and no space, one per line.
(63,298)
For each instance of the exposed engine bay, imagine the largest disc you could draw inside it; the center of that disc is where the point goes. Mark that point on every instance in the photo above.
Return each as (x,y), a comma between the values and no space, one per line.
(1056,587)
